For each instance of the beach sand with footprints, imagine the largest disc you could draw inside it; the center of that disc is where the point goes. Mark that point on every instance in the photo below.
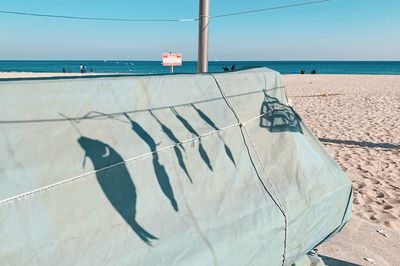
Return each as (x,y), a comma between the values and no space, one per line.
(357,118)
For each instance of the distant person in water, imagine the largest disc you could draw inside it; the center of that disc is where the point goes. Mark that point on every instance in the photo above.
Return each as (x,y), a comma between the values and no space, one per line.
(302,72)
(82,68)
(91,70)
(233,68)
(63,70)
(226,69)
(313,71)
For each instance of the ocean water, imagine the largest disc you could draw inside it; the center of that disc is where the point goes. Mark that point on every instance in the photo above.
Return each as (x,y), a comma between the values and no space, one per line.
(155,67)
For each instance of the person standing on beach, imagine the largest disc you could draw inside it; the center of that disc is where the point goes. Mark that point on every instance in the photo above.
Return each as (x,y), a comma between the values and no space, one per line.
(81,67)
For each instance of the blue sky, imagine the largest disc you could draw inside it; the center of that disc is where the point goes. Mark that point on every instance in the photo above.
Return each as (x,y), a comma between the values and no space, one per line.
(336,30)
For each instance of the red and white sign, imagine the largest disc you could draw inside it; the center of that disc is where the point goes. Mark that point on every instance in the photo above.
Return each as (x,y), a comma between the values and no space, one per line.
(171,59)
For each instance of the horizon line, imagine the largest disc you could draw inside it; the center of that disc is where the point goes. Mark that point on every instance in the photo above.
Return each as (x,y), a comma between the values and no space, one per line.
(214,60)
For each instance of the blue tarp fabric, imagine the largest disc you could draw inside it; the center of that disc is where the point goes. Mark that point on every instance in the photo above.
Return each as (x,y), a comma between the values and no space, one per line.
(162,170)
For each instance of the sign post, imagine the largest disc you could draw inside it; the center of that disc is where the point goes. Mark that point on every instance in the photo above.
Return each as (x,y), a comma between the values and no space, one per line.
(171,59)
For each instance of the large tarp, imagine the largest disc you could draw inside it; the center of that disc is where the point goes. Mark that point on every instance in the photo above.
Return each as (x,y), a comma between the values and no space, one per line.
(162,170)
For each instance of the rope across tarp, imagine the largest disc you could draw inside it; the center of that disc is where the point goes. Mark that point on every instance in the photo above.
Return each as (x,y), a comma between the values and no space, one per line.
(91,173)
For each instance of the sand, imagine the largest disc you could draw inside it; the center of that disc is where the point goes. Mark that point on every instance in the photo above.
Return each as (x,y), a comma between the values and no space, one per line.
(360,128)
(360,240)
(357,118)
(7,75)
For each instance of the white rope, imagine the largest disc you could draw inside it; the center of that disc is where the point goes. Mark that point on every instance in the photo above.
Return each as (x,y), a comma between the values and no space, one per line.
(279,205)
(23,195)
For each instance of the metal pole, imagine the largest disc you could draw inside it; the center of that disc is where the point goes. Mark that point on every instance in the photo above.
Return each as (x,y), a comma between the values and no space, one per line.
(204,11)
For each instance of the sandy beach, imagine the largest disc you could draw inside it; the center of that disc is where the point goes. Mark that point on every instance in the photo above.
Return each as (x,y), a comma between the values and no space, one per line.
(357,119)
(8,75)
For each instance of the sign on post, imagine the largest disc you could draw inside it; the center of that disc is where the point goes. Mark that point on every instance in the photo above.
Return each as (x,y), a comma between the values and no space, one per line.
(171,60)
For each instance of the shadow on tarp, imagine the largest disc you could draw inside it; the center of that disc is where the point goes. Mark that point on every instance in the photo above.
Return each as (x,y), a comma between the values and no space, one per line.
(159,169)
(189,127)
(209,121)
(277,117)
(115,182)
(335,262)
(167,131)
(365,144)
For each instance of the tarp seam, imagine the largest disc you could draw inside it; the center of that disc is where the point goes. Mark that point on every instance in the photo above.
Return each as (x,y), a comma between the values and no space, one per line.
(277,201)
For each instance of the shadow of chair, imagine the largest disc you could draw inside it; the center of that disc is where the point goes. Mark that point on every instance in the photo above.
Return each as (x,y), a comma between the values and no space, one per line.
(277,117)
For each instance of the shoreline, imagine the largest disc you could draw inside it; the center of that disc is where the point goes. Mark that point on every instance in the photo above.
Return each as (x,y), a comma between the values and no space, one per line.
(16,74)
